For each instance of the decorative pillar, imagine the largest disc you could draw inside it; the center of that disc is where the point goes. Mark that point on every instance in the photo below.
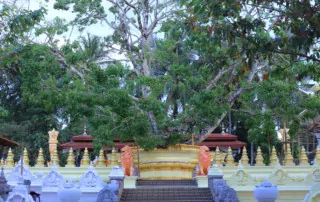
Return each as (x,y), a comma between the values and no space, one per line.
(244,158)
(266,192)
(20,192)
(259,158)
(117,175)
(40,159)
(53,141)
(215,172)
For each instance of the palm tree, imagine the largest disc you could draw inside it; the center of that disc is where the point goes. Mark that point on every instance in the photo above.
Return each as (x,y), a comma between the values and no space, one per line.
(94,46)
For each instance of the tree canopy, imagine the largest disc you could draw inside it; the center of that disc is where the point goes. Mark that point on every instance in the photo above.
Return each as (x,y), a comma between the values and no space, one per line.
(186,66)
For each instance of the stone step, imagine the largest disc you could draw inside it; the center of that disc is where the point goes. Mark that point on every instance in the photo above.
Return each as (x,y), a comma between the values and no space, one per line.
(187,190)
(167,194)
(166,183)
(123,199)
(192,200)
(166,199)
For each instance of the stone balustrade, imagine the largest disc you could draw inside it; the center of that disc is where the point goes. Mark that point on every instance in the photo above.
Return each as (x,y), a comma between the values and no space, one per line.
(68,170)
(53,185)
(293,181)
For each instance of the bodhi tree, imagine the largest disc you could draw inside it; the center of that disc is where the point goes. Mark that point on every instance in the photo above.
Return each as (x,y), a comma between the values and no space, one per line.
(213,57)
(235,46)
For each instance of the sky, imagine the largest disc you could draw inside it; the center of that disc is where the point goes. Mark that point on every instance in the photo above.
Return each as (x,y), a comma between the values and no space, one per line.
(97,29)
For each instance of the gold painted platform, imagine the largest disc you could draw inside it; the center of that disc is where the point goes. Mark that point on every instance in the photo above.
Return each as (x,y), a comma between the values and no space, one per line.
(175,162)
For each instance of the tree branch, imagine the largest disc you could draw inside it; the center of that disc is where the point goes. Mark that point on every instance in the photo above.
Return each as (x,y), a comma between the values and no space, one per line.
(296,54)
(72,68)
(138,15)
(178,129)
(214,81)
(153,122)
(204,134)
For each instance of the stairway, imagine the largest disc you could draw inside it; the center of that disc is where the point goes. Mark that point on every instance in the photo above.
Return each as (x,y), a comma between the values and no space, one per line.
(166,191)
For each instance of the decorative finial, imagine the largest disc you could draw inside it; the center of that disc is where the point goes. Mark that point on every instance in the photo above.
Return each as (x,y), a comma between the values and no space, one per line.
(259,158)
(40,159)
(9,160)
(223,132)
(70,160)
(85,159)
(26,157)
(55,158)
(217,156)
(274,157)
(230,160)
(288,159)
(101,159)
(303,160)
(85,129)
(244,158)
(113,161)
(2,162)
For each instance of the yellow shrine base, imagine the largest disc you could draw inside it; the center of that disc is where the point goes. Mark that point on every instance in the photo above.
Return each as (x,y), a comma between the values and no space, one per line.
(175,162)
(166,170)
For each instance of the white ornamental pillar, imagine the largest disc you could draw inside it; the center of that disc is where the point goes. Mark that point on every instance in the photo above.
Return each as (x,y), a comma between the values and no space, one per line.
(266,192)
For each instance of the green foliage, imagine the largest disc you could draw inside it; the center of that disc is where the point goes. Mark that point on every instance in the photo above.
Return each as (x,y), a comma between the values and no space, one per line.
(214,57)
(16,23)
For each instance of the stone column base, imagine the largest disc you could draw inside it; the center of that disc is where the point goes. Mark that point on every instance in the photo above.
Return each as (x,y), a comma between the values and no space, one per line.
(202,181)
(130,182)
